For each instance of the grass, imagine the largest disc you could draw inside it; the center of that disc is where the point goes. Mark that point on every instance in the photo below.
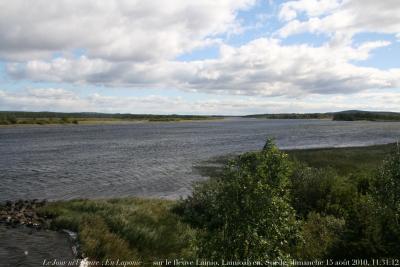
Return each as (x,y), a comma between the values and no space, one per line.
(125,229)
(344,160)
(148,229)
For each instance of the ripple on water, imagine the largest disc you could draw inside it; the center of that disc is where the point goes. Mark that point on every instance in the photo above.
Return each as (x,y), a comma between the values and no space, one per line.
(155,159)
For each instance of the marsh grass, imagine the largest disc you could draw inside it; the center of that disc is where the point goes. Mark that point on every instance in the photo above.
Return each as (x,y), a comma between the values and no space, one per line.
(127,228)
(346,160)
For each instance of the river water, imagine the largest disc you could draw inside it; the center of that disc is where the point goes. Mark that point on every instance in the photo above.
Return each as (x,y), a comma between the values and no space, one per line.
(151,159)
(25,247)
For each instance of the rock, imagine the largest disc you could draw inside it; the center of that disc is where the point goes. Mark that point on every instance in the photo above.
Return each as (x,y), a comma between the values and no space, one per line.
(19,204)
(23,212)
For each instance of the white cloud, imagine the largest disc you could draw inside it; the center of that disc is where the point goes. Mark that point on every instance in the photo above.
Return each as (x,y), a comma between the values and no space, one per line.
(261,67)
(67,101)
(312,8)
(341,19)
(117,30)
(133,43)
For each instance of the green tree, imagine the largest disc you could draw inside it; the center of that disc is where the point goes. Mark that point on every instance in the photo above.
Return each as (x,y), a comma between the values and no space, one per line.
(245,213)
(320,190)
(320,234)
(386,192)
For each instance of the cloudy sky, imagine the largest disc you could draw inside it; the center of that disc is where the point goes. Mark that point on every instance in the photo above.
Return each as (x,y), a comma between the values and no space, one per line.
(199,57)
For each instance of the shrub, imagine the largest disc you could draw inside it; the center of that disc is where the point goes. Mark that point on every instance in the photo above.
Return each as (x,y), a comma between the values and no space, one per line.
(387,183)
(386,193)
(321,191)
(320,234)
(245,213)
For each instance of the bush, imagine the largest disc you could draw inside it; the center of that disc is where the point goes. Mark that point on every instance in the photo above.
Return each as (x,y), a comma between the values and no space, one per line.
(320,235)
(386,193)
(361,237)
(245,213)
(387,183)
(321,191)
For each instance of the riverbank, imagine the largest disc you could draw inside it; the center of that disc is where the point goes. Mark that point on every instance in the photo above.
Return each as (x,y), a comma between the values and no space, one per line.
(151,229)
(56,118)
(77,121)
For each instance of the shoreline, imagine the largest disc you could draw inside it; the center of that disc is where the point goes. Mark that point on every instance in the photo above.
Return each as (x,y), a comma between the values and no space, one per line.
(106,122)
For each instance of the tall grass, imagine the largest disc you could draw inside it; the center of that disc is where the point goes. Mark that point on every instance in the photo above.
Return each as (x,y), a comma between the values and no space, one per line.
(128,228)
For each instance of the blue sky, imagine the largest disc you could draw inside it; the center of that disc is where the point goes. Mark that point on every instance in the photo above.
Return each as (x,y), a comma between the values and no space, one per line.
(209,57)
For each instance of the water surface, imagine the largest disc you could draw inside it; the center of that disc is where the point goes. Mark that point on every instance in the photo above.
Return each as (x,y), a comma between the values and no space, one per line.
(25,247)
(151,159)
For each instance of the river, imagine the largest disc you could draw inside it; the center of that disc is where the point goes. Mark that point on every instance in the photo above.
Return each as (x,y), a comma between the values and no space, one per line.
(151,159)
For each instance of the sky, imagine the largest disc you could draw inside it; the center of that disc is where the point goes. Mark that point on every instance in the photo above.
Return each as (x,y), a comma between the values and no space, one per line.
(222,57)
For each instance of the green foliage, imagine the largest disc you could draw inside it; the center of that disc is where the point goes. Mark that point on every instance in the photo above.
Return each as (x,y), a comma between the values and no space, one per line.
(362,234)
(345,160)
(121,228)
(245,213)
(101,244)
(321,191)
(387,183)
(386,193)
(320,235)
(368,203)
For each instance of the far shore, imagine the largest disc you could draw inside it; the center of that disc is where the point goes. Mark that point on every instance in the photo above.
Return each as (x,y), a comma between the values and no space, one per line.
(106,122)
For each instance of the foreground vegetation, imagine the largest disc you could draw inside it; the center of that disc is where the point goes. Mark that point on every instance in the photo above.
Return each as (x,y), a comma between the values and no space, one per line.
(21,117)
(125,229)
(311,204)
